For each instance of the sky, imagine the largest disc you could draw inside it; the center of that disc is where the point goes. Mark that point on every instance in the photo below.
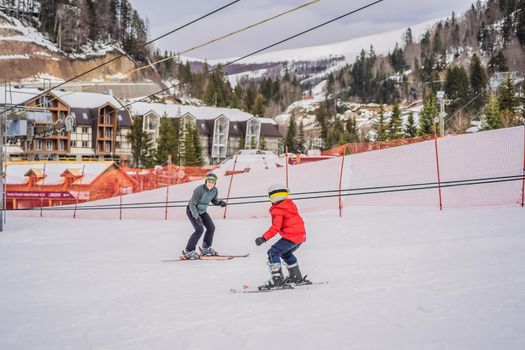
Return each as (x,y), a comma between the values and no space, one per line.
(166,15)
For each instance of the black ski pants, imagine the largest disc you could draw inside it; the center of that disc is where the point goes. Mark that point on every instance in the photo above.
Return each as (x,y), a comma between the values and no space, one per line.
(199,229)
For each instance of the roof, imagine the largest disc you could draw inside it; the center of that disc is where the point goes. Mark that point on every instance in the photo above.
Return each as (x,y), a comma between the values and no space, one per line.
(17,172)
(79,99)
(200,113)
(75,99)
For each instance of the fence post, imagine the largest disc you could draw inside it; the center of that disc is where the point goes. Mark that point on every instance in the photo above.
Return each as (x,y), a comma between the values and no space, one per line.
(78,192)
(42,189)
(168,191)
(523,172)
(120,190)
(438,173)
(287,168)
(230,185)
(341,182)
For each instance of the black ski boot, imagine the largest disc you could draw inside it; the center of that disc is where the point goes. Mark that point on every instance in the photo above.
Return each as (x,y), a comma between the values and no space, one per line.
(277,281)
(295,276)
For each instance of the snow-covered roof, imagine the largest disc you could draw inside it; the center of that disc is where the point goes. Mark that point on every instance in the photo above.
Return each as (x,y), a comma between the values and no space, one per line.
(53,171)
(17,96)
(80,99)
(75,99)
(200,113)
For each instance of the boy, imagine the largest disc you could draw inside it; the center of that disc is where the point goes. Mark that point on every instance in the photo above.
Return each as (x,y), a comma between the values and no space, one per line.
(199,218)
(288,223)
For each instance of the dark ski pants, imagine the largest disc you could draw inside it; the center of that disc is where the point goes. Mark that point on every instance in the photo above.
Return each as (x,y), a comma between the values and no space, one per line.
(283,249)
(199,229)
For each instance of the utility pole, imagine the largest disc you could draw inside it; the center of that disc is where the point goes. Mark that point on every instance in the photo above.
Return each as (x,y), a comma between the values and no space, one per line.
(442,114)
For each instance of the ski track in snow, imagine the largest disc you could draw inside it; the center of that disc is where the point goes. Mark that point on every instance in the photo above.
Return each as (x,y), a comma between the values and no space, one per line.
(399,278)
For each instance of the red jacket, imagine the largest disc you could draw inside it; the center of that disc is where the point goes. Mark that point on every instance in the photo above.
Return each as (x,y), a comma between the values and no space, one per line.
(287,222)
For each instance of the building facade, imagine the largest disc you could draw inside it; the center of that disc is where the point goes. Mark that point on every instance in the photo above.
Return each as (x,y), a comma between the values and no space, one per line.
(222,131)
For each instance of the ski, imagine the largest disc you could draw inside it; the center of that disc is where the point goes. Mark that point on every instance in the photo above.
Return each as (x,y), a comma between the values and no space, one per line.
(248,289)
(208,257)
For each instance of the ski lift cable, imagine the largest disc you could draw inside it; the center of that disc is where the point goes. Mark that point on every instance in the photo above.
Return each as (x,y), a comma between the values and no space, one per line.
(267,47)
(324,194)
(124,54)
(207,43)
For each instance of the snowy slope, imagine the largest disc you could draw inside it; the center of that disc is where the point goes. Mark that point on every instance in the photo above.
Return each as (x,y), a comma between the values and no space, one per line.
(399,278)
(402,274)
(350,49)
(463,157)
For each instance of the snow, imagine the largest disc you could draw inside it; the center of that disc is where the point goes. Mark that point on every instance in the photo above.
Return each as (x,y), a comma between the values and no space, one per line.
(14,57)
(401,273)
(419,278)
(15,172)
(201,113)
(350,49)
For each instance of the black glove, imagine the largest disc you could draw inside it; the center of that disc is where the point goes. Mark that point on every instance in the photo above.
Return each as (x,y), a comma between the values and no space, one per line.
(222,204)
(260,240)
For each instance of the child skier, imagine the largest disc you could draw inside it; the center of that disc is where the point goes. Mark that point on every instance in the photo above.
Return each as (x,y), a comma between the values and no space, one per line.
(199,218)
(288,223)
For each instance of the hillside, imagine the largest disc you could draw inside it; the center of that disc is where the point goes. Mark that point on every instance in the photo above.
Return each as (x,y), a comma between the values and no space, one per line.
(27,55)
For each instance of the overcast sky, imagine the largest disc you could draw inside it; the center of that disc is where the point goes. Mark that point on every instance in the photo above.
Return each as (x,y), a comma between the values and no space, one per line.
(166,15)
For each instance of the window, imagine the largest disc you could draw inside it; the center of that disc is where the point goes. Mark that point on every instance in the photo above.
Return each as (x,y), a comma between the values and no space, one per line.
(38,145)
(85,130)
(62,145)
(107,119)
(85,144)
(108,133)
(107,147)
(49,145)
(117,144)
(72,143)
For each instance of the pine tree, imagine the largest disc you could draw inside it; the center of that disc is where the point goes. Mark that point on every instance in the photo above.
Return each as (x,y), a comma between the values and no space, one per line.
(408,38)
(478,81)
(426,119)
(380,126)
(498,62)
(166,142)
(395,124)
(197,147)
(291,134)
(141,144)
(352,131)
(493,115)
(258,106)
(301,139)
(507,102)
(457,87)
(410,126)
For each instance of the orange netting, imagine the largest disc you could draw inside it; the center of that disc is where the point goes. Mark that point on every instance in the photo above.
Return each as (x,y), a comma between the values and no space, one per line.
(360,147)
(150,179)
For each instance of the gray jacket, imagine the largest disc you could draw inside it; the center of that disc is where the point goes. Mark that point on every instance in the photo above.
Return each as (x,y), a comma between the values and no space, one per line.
(201,198)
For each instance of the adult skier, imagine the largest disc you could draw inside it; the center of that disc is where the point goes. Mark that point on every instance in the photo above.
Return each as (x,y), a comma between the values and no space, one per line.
(288,223)
(200,219)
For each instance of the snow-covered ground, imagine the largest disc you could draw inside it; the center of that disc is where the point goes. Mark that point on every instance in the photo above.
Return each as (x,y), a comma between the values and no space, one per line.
(399,278)
(401,273)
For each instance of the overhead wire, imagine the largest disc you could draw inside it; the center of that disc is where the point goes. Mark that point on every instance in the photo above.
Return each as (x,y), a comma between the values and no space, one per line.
(266,48)
(125,54)
(207,43)
(306,195)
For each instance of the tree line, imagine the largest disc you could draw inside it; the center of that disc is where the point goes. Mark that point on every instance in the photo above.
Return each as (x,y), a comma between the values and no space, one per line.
(72,24)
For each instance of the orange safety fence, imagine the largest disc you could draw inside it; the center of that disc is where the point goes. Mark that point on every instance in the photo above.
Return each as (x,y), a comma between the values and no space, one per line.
(47,184)
(150,179)
(360,147)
